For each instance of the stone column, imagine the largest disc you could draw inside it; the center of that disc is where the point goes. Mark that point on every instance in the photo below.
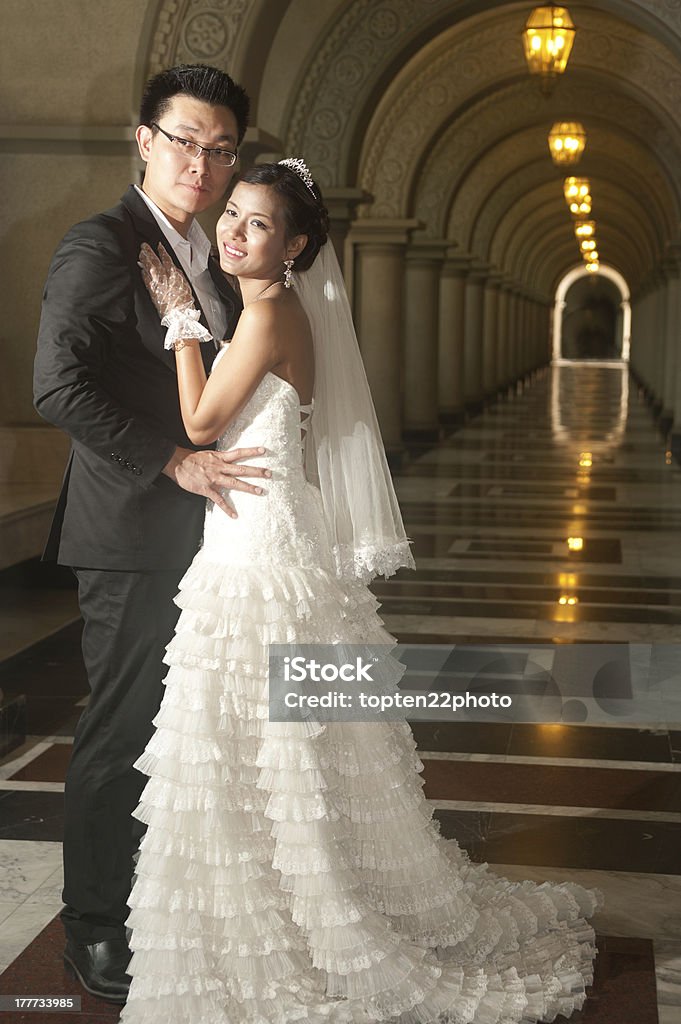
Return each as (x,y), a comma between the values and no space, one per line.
(452,328)
(377,260)
(635,300)
(533,333)
(672,338)
(619,323)
(491,371)
(474,311)
(658,341)
(503,335)
(642,333)
(544,310)
(523,333)
(638,333)
(509,288)
(540,341)
(342,205)
(423,262)
(514,329)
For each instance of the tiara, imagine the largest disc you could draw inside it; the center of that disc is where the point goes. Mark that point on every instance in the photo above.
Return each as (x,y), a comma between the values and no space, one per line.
(300,168)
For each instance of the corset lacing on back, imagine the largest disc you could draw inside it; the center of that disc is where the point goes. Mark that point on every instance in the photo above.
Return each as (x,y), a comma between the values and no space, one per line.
(306,411)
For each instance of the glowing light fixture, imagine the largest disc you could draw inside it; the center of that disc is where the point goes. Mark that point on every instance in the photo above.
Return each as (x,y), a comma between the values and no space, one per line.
(567,140)
(593,267)
(575,543)
(591,257)
(587,244)
(585,459)
(547,40)
(577,193)
(585,228)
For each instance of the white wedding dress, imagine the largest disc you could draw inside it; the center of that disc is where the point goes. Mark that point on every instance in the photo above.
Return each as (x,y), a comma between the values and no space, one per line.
(292,872)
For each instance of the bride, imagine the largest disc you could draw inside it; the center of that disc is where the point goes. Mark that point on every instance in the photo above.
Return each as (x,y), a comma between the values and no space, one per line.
(293,872)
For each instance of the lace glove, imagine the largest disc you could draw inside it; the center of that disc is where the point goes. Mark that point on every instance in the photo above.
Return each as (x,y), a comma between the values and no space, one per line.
(171,293)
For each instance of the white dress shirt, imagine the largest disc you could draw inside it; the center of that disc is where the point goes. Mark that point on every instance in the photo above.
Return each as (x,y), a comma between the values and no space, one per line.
(193,252)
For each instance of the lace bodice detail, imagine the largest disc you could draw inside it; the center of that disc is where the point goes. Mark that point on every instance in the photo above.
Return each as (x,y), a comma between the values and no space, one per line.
(286,524)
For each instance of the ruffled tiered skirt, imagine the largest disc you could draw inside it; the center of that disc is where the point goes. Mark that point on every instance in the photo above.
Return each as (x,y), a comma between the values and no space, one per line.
(292,871)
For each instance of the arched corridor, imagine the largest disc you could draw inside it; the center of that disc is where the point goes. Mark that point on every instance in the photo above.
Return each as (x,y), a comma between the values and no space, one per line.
(531,411)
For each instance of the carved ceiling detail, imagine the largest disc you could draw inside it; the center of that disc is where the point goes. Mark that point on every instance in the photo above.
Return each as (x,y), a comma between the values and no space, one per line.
(416,159)
(197,31)
(501,115)
(617,245)
(405,122)
(539,202)
(369,34)
(367,37)
(514,237)
(420,103)
(483,199)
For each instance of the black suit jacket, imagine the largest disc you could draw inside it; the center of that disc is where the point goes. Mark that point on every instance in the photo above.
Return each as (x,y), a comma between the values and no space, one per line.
(103,376)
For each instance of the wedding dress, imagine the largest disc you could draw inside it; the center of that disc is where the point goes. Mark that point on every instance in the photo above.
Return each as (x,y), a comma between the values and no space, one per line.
(292,872)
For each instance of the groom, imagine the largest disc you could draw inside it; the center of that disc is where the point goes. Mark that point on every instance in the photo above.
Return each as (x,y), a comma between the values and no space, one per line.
(130,514)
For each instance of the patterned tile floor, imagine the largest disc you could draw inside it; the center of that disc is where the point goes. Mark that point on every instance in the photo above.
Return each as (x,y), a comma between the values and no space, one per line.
(595,798)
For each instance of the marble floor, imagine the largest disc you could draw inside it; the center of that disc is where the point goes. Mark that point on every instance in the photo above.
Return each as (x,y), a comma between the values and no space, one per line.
(549,522)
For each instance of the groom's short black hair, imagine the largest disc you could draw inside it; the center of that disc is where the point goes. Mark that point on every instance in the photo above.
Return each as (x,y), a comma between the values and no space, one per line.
(201,82)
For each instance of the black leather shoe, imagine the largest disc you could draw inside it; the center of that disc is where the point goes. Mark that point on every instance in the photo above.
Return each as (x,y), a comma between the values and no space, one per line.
(100,968)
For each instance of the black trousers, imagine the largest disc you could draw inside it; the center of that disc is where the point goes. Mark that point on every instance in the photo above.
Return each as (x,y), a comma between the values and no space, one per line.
(129,618)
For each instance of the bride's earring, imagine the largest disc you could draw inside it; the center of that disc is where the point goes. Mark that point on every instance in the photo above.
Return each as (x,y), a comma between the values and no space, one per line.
(288,273)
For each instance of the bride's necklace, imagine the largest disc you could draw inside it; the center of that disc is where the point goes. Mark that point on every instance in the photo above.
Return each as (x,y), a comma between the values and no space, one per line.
(266,289)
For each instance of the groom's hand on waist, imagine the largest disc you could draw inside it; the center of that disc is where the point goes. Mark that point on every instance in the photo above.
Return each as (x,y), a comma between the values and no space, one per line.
(210,473)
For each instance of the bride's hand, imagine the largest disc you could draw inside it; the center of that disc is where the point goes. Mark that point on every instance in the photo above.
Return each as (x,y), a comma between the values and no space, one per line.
(168,288)
(171,293)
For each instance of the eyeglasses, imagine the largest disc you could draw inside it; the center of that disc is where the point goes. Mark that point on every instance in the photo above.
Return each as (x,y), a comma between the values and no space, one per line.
(222,157)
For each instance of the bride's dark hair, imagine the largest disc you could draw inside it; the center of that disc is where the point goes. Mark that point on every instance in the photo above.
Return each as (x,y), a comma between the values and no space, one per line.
(305,211)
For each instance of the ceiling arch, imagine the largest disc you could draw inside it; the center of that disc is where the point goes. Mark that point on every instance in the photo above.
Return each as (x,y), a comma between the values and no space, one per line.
(650,207)
(523,235)
(517,199)
(315,54)
(436,87)
(638,254)
(577,274)
(416,100)
(503,114)
(544,259)
(506,184)
(553,268)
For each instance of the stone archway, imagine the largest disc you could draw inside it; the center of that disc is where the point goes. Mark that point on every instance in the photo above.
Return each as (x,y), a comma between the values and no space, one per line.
(559,307)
